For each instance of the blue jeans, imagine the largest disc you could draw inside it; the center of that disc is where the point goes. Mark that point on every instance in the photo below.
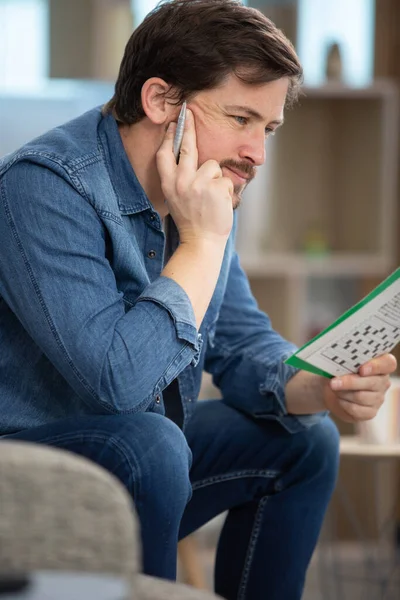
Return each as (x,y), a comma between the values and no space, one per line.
(275,486)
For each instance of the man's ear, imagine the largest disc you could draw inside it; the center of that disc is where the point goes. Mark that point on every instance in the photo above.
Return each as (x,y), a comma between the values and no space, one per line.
(158,109)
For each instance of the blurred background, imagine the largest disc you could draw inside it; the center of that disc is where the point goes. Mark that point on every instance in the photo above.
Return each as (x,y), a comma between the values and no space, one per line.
(317,229)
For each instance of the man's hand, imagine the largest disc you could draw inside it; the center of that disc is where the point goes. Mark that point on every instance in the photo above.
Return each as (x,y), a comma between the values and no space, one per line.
(358,397)
(199,199)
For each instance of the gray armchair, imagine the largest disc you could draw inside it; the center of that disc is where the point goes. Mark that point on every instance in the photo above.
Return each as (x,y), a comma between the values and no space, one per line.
(60,512)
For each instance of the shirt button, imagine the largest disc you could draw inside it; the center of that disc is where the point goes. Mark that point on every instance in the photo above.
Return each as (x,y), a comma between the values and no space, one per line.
(158,399)
(152,217)
(189,399)
(151,254)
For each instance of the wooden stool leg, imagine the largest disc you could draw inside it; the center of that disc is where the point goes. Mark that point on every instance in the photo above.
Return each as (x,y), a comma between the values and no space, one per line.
(189,555)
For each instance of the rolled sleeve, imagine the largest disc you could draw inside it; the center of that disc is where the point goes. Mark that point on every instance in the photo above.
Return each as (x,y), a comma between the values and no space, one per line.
(172,297)
(274,385)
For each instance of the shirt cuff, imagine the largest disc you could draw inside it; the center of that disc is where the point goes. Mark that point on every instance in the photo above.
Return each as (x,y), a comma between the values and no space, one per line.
(172,297)
(292,423)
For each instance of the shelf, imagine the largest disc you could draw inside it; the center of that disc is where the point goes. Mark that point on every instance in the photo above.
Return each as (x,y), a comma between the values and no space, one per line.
(354,446)
(297,264)
(377,89)
(331,173)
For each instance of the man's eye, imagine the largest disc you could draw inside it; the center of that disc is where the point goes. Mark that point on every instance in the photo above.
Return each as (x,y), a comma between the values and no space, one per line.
(269,131)
(241,120)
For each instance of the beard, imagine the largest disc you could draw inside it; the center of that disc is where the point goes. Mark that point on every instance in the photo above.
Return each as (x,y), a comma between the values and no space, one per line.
(242,167)
(237,195)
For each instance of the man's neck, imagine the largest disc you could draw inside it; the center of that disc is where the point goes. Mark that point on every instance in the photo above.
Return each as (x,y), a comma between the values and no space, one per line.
(141,142)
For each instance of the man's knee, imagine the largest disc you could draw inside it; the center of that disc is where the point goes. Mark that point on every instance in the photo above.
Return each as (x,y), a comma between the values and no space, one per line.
(319,457)
(168,459)
(156,459)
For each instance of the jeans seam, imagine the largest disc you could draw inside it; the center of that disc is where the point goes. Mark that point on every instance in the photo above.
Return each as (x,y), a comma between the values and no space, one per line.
(251,548)
(267,474)
(118,445)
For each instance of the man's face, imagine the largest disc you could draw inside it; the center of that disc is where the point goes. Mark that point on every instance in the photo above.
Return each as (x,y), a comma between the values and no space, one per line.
(232,124)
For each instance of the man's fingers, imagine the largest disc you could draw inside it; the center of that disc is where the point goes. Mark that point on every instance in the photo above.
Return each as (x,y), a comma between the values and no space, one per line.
(373,375)
(166,163)
(358,412)
(381,365)
(210,169)
(226,184)
(189,158)
(353,383)
(362,398)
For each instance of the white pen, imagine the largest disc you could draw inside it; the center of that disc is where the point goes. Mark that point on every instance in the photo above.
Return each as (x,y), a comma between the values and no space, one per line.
(179,131)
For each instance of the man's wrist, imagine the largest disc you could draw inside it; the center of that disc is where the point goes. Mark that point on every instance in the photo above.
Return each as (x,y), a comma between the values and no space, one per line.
(305,394)
(204,243)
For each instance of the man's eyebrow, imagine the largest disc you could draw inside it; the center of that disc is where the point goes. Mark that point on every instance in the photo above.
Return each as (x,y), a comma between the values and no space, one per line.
(253,113)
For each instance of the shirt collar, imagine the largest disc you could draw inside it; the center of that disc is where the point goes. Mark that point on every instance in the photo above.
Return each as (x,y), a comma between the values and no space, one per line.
(130,194)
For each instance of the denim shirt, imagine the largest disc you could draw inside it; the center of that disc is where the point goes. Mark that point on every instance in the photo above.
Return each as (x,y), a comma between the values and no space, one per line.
(87,323)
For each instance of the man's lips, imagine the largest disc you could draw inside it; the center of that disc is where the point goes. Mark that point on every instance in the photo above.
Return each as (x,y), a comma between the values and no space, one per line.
(244,177)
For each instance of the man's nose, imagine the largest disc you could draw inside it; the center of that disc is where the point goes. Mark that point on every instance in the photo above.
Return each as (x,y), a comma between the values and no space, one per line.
(254,151)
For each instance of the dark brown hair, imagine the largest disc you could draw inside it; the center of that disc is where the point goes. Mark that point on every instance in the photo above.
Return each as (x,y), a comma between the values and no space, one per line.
(194,45)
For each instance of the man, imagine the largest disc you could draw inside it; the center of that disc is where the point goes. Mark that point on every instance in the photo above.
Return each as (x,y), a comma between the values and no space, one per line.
(107,320)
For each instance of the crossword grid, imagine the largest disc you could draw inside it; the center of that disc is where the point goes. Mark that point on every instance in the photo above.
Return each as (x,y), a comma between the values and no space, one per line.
(374,336)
